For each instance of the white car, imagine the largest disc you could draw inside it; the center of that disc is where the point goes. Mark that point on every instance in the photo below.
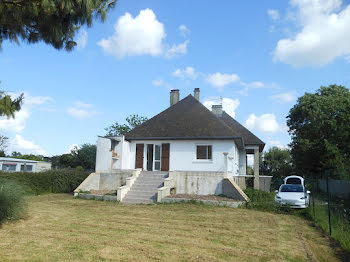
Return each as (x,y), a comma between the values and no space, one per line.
(294,196)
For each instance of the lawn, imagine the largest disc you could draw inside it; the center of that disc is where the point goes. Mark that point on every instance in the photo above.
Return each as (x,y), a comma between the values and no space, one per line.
(60,228)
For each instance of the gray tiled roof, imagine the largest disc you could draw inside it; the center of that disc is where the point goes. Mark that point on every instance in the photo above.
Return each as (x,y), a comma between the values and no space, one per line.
(189,119)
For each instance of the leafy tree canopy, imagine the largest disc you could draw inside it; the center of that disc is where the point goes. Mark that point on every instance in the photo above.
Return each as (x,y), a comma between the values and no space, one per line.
(18,155)
(277,163)
(53,21)
(84,156)
(121,129)
(319,126)
(9,106)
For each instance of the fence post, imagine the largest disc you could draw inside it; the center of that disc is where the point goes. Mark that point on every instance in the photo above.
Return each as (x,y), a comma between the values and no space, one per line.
(313,196)
(329,203)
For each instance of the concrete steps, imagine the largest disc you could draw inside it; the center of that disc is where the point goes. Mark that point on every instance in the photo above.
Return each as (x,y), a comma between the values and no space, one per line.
(145,188)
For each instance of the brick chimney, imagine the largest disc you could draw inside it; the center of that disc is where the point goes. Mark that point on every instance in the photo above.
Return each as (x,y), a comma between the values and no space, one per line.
(197,94)
(217,110)
(174,96)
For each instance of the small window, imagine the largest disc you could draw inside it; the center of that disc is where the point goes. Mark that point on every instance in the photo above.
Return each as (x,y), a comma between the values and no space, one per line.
(28,169)
(9,167)
(204,152)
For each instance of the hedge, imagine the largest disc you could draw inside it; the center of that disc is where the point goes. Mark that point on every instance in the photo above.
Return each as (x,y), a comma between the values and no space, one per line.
(52,181)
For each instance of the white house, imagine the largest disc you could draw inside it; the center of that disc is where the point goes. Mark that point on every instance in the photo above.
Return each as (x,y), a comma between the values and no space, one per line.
(8,164)
(196,147)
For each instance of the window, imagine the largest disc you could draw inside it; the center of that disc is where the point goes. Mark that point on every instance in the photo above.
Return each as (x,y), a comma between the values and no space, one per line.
(204,152)
(157,157)
(29,168)
(9,167)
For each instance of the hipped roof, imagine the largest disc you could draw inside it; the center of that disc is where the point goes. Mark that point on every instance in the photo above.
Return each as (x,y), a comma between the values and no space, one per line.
(189,119)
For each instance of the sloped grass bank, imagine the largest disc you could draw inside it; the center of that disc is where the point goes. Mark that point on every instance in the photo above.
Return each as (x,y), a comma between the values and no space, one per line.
(60,228)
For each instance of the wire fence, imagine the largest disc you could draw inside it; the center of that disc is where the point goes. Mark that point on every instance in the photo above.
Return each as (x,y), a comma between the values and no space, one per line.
(328,204)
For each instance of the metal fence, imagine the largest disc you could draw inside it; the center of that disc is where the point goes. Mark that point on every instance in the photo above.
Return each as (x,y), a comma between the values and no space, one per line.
(329,204)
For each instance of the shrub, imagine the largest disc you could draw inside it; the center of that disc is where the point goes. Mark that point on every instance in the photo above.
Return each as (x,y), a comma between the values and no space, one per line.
(52,181)
(12,202)
(265,201)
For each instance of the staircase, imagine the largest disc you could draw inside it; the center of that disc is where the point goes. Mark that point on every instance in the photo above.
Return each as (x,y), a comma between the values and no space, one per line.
(145,188)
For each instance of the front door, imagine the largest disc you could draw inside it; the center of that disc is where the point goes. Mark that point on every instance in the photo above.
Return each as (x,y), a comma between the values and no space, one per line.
(150,157)
(165,157)
(139,156)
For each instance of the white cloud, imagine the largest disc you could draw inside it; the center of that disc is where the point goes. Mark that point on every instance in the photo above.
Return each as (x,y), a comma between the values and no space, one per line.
(274,14)
(72,147)
(26,146)
(82,39)
(160,82)
(229,105)
(82,110)
(220,80)
(256,84)
(176,50)
(275,143)
(323,37)
(18,123)
(285,97)
(142,35)
(184,31)
(187,73)
(265,123)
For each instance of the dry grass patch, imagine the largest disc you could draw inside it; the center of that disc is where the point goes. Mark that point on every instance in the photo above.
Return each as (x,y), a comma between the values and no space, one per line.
(60,228)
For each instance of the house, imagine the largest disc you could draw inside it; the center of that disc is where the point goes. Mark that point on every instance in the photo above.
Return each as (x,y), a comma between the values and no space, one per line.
(186,147)
(8,164)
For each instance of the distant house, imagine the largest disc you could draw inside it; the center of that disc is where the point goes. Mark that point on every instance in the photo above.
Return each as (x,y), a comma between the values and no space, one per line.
(23,165)
(194,147)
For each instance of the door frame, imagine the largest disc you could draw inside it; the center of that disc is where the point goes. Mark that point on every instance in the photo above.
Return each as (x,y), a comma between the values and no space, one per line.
(160,157)
(148,147)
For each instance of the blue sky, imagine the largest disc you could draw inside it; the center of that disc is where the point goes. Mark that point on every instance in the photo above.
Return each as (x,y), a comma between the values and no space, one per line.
(259,56)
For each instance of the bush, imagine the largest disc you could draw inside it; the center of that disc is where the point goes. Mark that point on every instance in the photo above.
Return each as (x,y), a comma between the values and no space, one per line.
(52,181)
(12,202)
(265,201)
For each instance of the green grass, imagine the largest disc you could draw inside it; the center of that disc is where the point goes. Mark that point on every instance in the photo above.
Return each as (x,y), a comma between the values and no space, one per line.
(61,228)
(12,202)
(15,186)
(264,201)
(339,222)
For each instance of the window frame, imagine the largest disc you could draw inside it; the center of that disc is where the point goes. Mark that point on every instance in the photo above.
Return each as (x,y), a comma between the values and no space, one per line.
(207,152)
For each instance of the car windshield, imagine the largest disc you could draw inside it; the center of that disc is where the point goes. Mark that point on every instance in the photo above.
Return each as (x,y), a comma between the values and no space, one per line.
(293,181)
(292,188)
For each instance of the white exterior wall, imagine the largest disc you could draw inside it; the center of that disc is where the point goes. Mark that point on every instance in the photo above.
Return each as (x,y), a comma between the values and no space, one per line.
(103,154)
(43,166)
(183,154)
(125,161)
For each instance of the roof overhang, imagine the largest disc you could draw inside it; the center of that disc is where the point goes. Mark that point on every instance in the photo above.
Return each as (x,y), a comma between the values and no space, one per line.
(238,140)
(250,148)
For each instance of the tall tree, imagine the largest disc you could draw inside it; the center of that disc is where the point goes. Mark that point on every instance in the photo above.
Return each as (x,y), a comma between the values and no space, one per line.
(53,21)
(277,163)
(319,126)
(3,144)
(132,121)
